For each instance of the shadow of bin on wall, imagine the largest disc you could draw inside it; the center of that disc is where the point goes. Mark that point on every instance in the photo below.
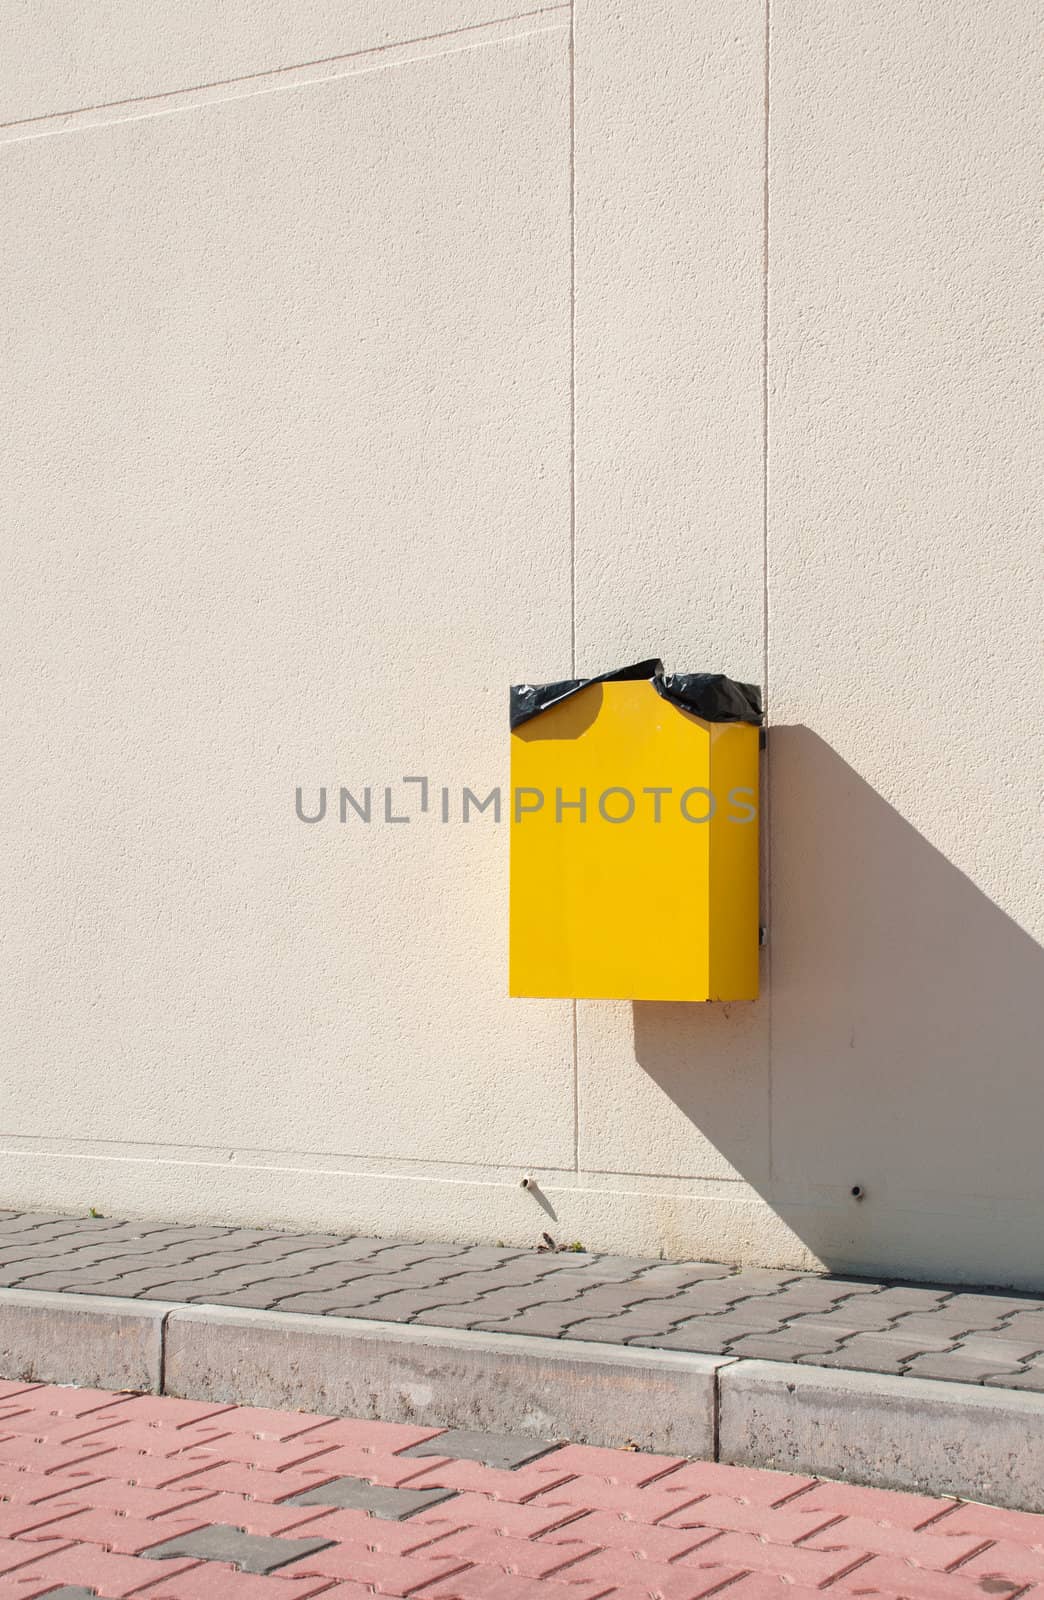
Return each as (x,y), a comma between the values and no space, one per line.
(634,837)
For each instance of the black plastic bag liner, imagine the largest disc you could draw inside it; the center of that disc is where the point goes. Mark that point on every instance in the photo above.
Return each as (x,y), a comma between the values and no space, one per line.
(709,695)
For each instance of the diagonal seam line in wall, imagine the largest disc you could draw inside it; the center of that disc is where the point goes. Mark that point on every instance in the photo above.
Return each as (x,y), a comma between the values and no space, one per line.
(381,1164)
(275,72)
(88,120)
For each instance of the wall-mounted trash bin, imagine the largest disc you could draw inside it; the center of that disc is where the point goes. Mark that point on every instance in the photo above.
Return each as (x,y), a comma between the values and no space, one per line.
(634,837)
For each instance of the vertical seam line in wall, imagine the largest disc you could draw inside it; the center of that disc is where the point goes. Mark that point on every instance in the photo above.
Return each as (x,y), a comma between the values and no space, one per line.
(572,341)
(572,483)
(765,620)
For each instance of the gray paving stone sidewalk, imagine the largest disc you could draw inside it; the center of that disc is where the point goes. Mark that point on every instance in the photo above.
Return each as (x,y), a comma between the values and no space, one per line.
(930,1332)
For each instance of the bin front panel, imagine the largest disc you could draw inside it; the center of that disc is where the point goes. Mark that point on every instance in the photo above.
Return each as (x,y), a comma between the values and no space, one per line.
(611,902)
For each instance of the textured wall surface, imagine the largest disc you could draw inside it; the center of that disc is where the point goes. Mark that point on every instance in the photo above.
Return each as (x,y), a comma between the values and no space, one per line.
(363,359)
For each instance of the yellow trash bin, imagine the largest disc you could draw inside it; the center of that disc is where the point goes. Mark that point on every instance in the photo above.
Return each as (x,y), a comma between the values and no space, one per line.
(634,837)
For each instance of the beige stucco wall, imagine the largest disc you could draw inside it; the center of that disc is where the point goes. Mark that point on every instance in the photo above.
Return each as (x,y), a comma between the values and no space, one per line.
(363,359)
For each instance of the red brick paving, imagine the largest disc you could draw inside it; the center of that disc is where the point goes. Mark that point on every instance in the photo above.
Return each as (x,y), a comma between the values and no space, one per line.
(89,1481)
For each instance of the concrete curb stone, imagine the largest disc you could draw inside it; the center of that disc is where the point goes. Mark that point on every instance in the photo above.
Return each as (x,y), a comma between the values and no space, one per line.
(485,1382)
(92,1341)
(923,1434)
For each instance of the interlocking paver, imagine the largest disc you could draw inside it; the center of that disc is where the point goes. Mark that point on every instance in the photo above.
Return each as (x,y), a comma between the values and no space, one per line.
(261,1421)
(378,1438)
(519,1484)
(701,1478)
(962,1367)
(750,1586)
(641,1323)
(18,1553)
(491,1449)
(215,1580)
(766,1346)
(932,1548)
(888,1506)
(111,1575)
(387,1574)
(859,1314)
(986,1347)
(1032,1379)
(130,1500)
(667,1581)
(990,1522)
(392,1254)
(880,1352)
(167,1412)
(957,1334)
(585,1493)
(608,1530)
(147,1437)
(785,1524)
(1024,1327)
(335,1275)
(267,1455)
(262,1296)
(519,1271)
(66,1592)
(946,1323)
(343,1525)
(637,1467)
(11,1389)
(474,1510)
(481,1257)
(492,1583)
(235,1478)
(24,1521)
(896,1579)
(57,1430)
(401,1307)
(37,1456)
(28,1489)
(234,1510)
(123,1535)
(541,1322)
(523,1557)
(306,1302)
(561,1287)
(794,1563)
(151,1472)
(250,1552)
(970,1303)
(378,1499)
(466,1316)
(391,1471)
(1004,1559)
(710,1336)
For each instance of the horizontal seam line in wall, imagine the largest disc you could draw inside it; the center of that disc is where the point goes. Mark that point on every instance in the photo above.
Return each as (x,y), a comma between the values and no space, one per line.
(416,1177)
(276,72)
(41,1144)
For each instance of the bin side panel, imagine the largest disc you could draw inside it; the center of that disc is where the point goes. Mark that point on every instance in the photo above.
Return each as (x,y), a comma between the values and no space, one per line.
(734,838)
